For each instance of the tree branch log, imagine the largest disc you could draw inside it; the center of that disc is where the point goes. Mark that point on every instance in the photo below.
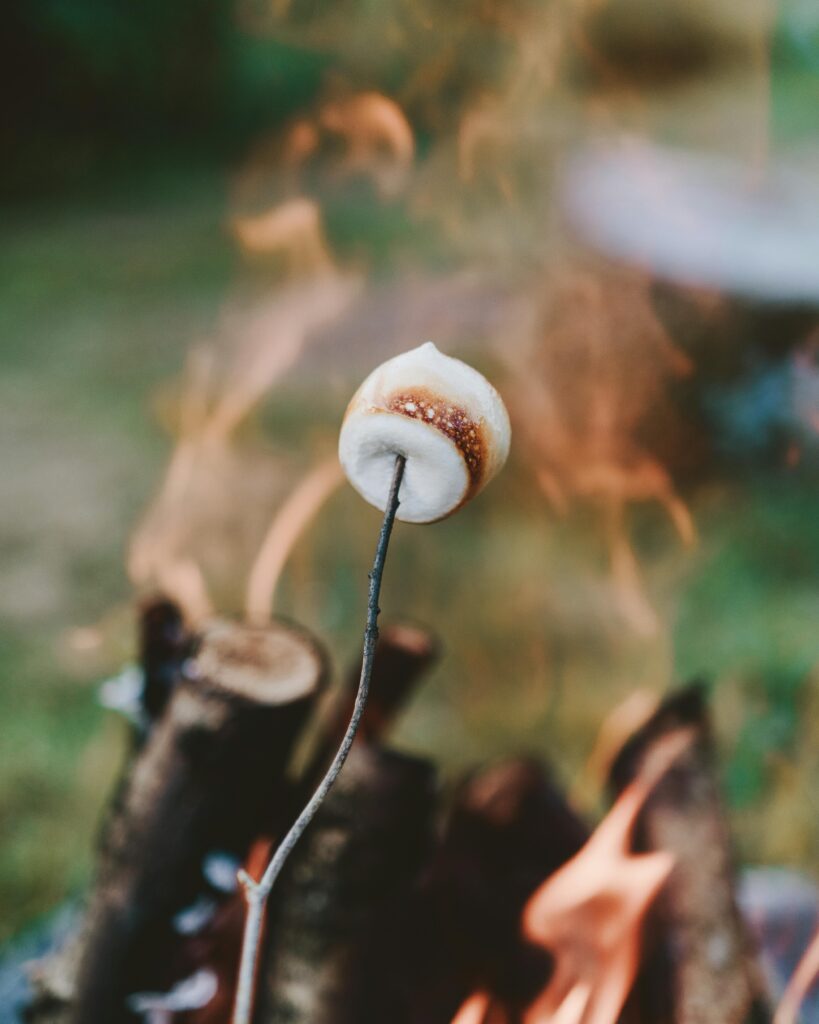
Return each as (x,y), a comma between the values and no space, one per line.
(332,950)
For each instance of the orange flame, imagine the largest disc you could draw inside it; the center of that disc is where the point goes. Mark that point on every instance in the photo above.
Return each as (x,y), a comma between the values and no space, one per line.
(378,137)
(480,1009)
(619,724)
(290,522)
(589,913)
(800,984)
(292,229)
(363,133)
(595,374)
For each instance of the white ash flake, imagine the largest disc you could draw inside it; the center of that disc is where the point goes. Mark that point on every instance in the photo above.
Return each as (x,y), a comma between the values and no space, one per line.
(220,870)
(190,994)
(194,918)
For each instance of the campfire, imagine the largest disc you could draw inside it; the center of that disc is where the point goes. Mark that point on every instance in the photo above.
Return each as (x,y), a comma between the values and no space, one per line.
(497,903)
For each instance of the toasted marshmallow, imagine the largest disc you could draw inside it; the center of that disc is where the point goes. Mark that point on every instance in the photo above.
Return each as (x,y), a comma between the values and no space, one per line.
(443,416)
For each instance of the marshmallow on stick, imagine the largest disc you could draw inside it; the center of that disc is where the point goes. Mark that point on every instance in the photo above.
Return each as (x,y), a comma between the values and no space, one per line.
(422,435)
(443,416)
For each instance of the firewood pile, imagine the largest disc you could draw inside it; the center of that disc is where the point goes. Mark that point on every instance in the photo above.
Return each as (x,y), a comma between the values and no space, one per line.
(495,905)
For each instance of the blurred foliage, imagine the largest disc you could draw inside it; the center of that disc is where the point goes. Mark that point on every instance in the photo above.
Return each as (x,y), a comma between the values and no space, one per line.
(99,84)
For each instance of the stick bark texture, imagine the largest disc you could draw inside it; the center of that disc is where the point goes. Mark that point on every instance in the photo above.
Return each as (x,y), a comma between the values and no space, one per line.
(403,654)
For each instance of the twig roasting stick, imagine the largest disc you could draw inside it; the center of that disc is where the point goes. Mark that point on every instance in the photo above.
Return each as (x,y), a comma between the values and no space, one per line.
(402,655)
(436,426)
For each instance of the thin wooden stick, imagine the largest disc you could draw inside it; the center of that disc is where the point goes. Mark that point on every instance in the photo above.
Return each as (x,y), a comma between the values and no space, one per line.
(257,893)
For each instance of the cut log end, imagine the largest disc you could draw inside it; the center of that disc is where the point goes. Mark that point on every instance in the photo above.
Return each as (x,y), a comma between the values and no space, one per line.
(272,665)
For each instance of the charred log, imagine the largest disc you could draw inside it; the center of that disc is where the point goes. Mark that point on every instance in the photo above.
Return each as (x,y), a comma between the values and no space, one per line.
(211,771)
(333,955)
(165,642)
(509,829)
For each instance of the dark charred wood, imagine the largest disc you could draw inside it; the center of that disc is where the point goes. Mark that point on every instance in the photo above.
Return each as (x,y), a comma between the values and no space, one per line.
(210,772)
(165,642)
(509,829)
(334,950)
(702,969)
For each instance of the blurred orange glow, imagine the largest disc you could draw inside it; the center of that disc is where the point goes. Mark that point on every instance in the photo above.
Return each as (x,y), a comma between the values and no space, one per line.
(378,137)
(597,373)
(292,519)
(619,724)
(291,229)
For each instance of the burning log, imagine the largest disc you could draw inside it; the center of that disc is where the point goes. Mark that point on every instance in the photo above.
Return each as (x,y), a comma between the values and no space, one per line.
(402,655)
(509,829)
(207,778)
(705,971)
(332,956)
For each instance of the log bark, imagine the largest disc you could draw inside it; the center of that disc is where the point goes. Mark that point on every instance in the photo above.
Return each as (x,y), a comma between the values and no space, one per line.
(403,654)
(509,829)
(703,968)
(164,644)
(207,779)
(332,954)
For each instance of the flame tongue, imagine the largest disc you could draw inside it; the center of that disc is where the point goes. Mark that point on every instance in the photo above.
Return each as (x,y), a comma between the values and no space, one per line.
(589,914)
(480,1009)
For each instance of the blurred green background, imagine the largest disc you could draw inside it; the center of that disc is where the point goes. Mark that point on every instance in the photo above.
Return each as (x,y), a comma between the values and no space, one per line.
(127,129)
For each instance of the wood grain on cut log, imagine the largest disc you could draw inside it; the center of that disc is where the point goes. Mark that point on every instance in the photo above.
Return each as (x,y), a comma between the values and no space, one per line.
(508,830)
(332,954)
(704,972)
(403,653)
(208,778)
